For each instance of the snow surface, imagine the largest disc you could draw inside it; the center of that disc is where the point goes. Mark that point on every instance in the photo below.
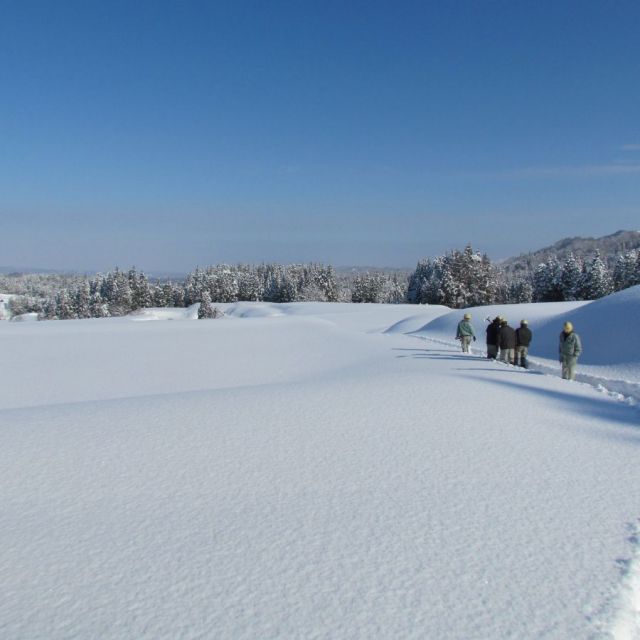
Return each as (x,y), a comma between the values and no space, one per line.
(315,471)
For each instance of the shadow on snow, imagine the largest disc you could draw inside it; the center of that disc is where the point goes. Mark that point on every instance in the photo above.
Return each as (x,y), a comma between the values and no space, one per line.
(601,408)
(438,354)
(604,407)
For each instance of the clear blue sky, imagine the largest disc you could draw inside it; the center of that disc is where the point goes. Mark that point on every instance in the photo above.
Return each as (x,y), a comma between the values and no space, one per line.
(169,134)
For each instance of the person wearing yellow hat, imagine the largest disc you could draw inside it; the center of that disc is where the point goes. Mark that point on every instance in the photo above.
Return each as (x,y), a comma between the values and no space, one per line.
(570,348)
(465,332)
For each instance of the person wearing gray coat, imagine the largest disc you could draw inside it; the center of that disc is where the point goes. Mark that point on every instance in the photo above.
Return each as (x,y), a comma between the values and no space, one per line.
(465,332)
(569,349)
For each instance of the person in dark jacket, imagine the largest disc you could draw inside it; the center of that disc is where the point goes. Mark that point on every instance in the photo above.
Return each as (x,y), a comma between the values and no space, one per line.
(507,343)
(493,331)
(523,340)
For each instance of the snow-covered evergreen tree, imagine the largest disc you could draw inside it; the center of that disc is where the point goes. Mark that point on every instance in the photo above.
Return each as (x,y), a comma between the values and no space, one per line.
(49,310)
(432,291)
(249,285)
(288,290)
(520,292)
(416,288)
(141,297)
(457,279)
(547,285)
(394,290)
(597,279)
(571,278)
(166,295)
(178,296)
(205,311)
(480,278)
(327,281)
(223,284)
(195,285)
(450,288)
(627,270)
(365,288)
(158,298)
(97,306)
(311,292)
(116,292)
(82,300)
(64,306)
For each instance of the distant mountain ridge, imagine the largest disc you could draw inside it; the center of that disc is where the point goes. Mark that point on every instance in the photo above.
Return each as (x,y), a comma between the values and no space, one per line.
(11,270)
(609,247)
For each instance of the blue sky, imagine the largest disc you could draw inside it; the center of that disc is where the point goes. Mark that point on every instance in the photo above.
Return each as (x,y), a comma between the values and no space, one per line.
(169,134)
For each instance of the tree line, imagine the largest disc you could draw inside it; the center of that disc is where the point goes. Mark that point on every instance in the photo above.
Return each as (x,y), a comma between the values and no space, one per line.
(457,279)
(118,292)
(462,279)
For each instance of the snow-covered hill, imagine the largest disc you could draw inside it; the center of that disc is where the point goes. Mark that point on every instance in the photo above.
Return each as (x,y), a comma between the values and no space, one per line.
(609,327)
(609,247)
(315,471)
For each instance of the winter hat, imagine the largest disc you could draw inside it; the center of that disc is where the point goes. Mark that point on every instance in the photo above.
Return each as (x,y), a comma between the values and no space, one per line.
(524,322)
(467,316)
(568,327)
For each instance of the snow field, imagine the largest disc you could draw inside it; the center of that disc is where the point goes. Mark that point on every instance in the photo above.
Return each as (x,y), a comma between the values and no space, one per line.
(185,511)
(82,360)
(306,475)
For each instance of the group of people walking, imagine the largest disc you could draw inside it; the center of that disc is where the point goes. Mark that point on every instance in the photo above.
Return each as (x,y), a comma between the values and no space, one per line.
(511,345)
(508,344)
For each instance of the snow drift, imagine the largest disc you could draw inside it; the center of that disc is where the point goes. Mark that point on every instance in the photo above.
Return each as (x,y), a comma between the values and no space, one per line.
(609,328)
